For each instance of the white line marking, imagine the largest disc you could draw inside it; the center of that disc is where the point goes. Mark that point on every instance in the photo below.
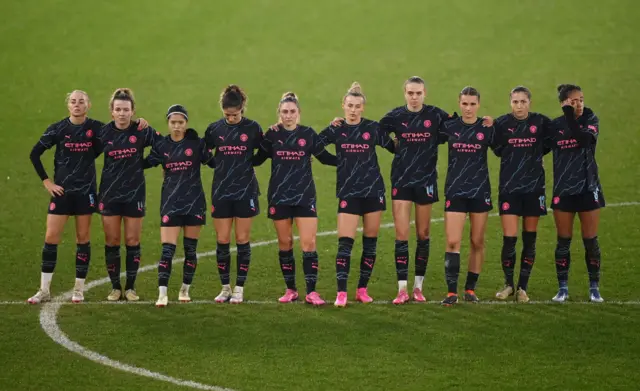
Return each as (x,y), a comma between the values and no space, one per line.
(49,314)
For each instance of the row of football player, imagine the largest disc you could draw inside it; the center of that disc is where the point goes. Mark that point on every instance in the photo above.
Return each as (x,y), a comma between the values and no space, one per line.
(521,138)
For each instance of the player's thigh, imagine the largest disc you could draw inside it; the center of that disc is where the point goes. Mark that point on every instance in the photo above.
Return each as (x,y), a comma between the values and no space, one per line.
(307,229)
(223,229)
(401,218)
(564,223)
(132,230)
(454,227)
(55,228)
(112,226)
(423,220)
(170,234)
(589,223)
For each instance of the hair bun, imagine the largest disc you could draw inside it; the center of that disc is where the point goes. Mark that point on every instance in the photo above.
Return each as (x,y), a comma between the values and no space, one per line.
(355,88)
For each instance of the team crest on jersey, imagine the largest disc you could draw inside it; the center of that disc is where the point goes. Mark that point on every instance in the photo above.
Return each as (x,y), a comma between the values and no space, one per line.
(272,210)
(89,133)
(213,208)
(244,138)
(366,135)
(533,129)
(505,206)
(480,136)
(133,139)
(188,152)
(101,206)
(394,192)
(556,200)
(302,142)
(343,204)
(52,206)
(165,219)
(447,204)
(427,123)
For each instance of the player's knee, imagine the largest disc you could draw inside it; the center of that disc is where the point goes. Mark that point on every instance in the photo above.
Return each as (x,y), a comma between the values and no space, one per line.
(132,240)
(242,237)
(307,244)
(402,233)
(285,243)
(52,237)
(453,244)
(423,233)
(477,243)
(83,237)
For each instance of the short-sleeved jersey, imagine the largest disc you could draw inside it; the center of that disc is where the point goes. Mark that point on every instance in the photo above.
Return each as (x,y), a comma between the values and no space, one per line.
(234,176)
(74,159)
(575,170)
(521,147)
(122,177)
(468,171)
(416,158)
(358,172)
(291,181)
(182,192)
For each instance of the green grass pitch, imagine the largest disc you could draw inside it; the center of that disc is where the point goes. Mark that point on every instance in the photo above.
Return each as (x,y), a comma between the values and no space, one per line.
(186,51)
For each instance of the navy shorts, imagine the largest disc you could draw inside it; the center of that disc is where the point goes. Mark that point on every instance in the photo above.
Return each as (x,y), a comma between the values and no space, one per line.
(468,205)
(423,195)
(362,206)
(579,202)
(134,209)
(227,209)
(73,204)
(524,205)
(182,220)
(284,212)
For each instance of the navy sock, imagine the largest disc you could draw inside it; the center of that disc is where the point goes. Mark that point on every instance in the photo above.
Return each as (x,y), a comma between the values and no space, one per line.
(563,261)
(508,258)
(343,262)
(368,260)
(190,259)
(132,263)
(223,256)
(244,259)
(451,271)
(166,261)
(288,267)
(83,257)
(113,261)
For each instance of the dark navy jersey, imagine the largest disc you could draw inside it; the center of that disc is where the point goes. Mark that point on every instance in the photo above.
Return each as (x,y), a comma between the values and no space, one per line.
(358,170)
(521,146)
(234,177)
(468,171)
(291,181)
(182,192)
(122,177)
(575,170)
(74,159)
(414,164)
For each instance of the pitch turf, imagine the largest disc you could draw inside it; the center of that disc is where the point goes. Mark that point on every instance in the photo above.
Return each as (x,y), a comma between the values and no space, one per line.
(185,52)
